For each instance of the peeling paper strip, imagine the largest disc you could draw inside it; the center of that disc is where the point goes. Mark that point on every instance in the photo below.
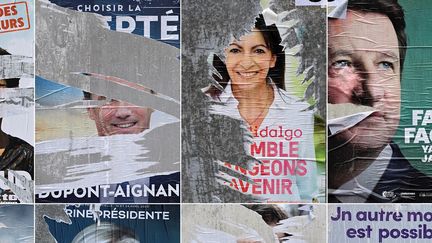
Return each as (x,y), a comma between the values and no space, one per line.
(346,109)
(231,223)
(16,101)
(16,66)
(319,2)
(158,67)
(341,124)
(131,85)
(338,9)
(309,217)
(84,162)
(226,224)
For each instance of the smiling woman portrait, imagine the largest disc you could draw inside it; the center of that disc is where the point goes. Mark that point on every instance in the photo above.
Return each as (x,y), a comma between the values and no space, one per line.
(253,82)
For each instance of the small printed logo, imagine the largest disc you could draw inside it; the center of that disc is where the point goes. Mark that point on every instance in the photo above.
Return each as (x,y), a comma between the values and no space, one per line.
(387,194)
(409,195)
(425,194)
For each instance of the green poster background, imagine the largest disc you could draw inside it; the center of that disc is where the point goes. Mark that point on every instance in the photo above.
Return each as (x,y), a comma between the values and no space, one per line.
(416,78)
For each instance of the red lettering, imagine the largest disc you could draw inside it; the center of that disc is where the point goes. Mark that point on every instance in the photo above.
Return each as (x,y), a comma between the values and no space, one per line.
(281,150)
(244,186)
(13,23)
(7,11)
(293,148)
(286,186)
(272,149)
(241,170)
(276,132)
(265,168)
(256,186)
(288,134)
(4,24)
(271,186)
(301,168)
(236,168)
(264,132)
(234,184)
(273,133)
(276,167)
(289,167)
(21,22)
(14,11)
(260,150)
(256,169)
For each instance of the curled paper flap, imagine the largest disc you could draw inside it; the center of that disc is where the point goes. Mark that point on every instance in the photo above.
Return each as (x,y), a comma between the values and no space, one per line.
(270,16)
(341,124)
(338,9)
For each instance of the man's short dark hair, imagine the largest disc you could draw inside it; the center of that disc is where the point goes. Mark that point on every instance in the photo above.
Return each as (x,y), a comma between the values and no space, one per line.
(10,82)
(393,11)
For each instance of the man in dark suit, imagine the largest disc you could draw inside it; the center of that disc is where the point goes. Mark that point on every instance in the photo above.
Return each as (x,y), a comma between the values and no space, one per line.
(366,54)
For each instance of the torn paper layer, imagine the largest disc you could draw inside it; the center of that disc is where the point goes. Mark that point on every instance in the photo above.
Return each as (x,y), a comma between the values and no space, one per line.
(107,128)
(252,134)
(106,223)
(252,222)
(16,103)
(340,124)
(379,143)
(156,65)
(83,149)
